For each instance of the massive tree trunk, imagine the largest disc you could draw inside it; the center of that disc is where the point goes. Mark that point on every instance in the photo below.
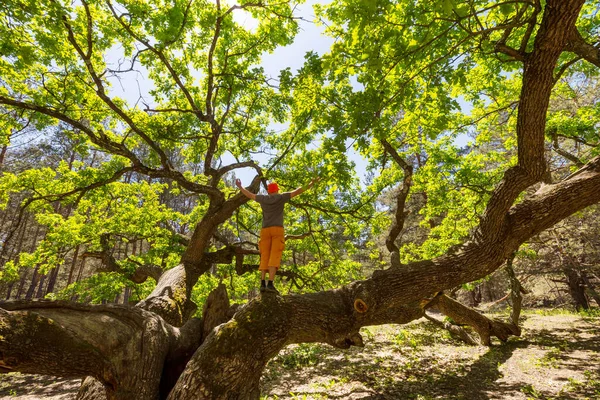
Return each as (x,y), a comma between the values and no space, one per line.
(122,352)
(171,296)
(124,348)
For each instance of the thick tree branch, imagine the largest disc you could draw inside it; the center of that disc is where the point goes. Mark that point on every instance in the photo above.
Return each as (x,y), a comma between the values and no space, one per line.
(538,79)
(245,164)
(400,214)
(579,46)
(485,327)
(455,330)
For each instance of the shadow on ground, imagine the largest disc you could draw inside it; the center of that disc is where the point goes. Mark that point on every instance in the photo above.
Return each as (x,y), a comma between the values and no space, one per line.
(543,364)
(23,386)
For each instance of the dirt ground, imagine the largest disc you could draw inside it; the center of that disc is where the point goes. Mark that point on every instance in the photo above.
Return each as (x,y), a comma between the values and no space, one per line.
(557,357)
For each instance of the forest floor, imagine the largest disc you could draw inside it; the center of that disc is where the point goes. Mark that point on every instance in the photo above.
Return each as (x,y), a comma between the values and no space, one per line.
(557,357)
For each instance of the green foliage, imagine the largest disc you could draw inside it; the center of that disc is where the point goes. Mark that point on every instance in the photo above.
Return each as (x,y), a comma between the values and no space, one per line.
(529,390)
(102,287)
(9,272)
(302,355)
(406,338)
(408,73)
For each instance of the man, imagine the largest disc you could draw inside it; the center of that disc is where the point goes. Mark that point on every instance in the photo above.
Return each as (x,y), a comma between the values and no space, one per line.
(272,237)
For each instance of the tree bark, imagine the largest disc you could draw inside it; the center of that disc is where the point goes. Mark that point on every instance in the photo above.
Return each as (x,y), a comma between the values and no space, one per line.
(2,155)
(485,327)
(181,343)
(455,330)
(590,288)
(576,287)
(122,347)
(52,279)
(40,291)
(73,264)
(516,291)
(33,284)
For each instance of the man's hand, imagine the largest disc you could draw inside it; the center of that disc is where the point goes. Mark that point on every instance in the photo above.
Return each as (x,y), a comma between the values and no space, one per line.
(245,192)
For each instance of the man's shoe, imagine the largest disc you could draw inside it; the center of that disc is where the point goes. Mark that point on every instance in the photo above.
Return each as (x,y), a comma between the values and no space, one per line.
(271,288)
(263,286)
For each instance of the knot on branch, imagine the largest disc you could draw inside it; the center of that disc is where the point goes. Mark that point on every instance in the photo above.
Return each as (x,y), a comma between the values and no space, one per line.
(360,306)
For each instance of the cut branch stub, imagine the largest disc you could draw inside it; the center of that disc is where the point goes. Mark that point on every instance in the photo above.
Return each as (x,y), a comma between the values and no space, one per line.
(360,306)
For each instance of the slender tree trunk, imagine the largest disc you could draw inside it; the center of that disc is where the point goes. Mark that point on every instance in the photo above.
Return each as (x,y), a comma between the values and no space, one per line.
(31,248)
(73,265)
(515,291)
(52,279)
(81,268)
(9,291)
(575,283)
(3,155)
(4,216)
(79,275)
(33,284)
(126,295)
(40,291)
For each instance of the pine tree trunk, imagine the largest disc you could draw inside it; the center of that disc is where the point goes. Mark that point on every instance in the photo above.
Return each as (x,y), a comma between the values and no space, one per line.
(52,279)
(9,290)
(73,265)
(3,155)
(40,290)
(33,284)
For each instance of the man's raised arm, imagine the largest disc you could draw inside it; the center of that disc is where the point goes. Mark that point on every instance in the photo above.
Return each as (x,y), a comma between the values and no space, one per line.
(303,189)
(246,192)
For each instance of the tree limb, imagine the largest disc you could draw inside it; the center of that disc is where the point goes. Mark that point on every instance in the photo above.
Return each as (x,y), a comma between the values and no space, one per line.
(400,214)
(579,46)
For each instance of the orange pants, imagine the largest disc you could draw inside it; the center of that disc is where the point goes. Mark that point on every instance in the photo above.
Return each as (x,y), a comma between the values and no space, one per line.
(271,245)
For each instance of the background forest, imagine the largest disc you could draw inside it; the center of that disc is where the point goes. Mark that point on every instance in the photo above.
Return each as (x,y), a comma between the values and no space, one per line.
(451,138)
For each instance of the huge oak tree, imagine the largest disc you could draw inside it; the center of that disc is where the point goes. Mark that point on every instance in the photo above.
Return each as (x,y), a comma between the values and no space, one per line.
(389,87)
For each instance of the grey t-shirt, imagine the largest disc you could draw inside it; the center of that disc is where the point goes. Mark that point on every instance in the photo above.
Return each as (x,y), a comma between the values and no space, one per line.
(272,208)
